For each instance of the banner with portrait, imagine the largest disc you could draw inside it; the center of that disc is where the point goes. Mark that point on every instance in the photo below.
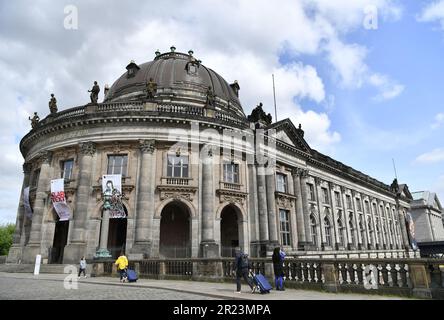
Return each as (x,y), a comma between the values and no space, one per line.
(411,230)
(59,200)
(112,195)
(26,203)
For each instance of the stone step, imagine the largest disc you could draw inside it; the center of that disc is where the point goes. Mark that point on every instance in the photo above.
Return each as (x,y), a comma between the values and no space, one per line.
(29,268)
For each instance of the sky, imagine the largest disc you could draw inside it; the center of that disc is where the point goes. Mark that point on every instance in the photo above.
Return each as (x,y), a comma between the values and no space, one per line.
(364,77)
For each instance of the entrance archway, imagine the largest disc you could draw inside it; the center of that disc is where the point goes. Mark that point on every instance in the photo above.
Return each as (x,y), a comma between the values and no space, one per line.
(59,242)
(175,231)
(117,235)
(229,231)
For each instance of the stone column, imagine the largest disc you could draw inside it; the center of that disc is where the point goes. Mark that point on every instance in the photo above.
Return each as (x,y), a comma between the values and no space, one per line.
(304,197)
(145,199)
(77,245)
(271,206)
(15,252)
(319,196)
(356,218)
(296,173)
(253,210)
(405,237)
(209,247)
(33,247)
(104,230)
(262,209)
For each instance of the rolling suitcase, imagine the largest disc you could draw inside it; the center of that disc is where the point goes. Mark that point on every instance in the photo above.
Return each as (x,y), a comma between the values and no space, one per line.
(131,275)
(261,283)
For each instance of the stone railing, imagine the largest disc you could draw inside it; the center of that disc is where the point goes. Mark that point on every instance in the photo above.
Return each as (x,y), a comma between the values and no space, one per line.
(176,181)
(230,186)
(423,278)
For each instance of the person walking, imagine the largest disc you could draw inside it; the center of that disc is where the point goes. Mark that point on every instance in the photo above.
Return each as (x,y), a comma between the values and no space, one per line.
(82,268)
(278,261)
(242,269)
(122,264)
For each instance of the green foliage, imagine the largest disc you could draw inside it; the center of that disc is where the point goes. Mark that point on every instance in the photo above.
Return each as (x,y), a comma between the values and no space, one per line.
(6,232)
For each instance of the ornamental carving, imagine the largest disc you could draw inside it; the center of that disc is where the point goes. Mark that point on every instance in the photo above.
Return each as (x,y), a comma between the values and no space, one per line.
(284,202)
(147,146)
(175,195)
(27,168)
(231,196)
(231,199)
(88,148)
(45,156)
(318,181)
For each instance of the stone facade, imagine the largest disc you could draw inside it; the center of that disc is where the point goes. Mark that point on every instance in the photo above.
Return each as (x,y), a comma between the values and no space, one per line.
(427,213)
(202,167)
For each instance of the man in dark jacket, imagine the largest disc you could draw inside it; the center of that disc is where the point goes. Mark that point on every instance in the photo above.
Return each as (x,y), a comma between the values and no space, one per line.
(242,268)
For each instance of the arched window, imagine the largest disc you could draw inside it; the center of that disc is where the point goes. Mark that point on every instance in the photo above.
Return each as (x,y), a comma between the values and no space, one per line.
(327,228)
(370,230)
(352,228)
(340,232)
(313,230)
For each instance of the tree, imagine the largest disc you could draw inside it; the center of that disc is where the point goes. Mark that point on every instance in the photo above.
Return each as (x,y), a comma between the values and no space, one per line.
(6,232)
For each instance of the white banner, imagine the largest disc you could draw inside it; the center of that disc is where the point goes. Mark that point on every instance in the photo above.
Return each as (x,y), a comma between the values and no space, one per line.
(112,195)
(58,199)
(26,204)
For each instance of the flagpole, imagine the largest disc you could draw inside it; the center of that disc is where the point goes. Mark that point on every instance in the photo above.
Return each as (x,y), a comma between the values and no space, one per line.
(274,97)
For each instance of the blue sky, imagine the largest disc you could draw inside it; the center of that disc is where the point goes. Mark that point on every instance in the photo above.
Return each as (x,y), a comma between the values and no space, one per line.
(363,96)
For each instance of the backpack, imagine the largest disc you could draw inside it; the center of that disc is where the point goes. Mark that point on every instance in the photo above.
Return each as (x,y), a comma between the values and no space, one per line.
(244,263)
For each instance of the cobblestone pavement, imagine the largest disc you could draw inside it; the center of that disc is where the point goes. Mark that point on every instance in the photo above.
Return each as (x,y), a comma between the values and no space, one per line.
(50,286)
(48,289)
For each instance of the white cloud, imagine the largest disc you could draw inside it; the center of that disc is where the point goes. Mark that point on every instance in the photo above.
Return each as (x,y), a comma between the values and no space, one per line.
(388,88)
(436,155)
(439,121)
(433,12)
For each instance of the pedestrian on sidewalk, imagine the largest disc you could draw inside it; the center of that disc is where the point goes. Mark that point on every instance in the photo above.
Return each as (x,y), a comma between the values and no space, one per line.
(82,268)
(122,265)
(278,267)
(242,269)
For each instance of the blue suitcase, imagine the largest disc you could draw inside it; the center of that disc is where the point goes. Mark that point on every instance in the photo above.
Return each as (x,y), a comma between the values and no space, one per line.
(262,283)
(131,275)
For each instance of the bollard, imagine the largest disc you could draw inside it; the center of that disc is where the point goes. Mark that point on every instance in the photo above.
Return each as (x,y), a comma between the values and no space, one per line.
(38,259)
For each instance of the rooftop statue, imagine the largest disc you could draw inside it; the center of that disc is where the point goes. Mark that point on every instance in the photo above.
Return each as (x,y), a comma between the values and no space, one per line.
(211,97)
(53,104)
(259,115)
(94,92)
(151,89)
(35,120)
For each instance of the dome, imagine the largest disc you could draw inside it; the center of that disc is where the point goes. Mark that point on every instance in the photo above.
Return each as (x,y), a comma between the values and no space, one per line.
(180,78)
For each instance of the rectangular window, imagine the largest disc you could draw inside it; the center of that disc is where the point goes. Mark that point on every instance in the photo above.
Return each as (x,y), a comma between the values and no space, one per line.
(325,198)
(358,204)
(231,172)
(66,167)
(117,164)
(311,195)
(284,219)
(281,182)
(338,199)
(349,201)
(177,166)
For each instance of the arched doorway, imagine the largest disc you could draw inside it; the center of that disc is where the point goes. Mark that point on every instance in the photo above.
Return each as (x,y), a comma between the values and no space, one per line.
(175,231)
(117,235)
(229,231)
(59,242)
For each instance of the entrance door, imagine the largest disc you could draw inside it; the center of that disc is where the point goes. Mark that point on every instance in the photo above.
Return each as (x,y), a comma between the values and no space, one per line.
(175,231)
(59,242)
(229,231)
(117,236)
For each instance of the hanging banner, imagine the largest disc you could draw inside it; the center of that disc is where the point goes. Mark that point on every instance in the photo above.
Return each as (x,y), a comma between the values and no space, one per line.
(411,230)
(58,199)
(26,204)
(112,195)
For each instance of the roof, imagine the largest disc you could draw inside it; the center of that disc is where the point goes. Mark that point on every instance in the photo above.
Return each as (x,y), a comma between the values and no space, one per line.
(426,198)
(179,76)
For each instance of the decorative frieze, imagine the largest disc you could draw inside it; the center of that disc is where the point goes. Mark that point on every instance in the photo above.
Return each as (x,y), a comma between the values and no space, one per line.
(45,157)
(231,196)
(285,201)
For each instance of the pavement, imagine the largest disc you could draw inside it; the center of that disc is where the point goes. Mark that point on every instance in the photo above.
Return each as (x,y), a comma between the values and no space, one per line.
(25,286)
